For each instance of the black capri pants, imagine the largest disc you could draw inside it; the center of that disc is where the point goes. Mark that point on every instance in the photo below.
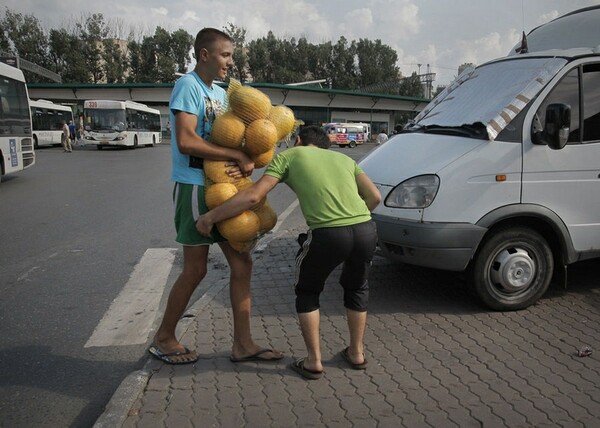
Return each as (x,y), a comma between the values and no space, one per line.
(322,250)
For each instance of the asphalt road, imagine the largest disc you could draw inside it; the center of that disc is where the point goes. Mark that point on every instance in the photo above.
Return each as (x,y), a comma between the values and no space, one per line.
(74,227)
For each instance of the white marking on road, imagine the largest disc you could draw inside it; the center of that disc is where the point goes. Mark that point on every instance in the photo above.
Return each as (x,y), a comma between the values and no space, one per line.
(265,241)
(131,315)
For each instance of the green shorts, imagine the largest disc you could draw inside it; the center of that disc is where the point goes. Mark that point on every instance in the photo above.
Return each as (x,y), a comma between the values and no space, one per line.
(189,204)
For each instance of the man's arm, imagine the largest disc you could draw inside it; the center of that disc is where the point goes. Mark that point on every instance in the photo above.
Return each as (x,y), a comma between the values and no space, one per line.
(237,204)
(190,143)
(368,191)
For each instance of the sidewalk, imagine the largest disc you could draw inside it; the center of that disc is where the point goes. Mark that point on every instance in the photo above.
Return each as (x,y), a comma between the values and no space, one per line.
(436,358)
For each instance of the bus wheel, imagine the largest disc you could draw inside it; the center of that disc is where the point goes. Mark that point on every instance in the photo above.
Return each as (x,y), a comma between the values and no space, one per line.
(512,269)
(352,144)
(153,142)
(35,142)
(98,146)
(135,142)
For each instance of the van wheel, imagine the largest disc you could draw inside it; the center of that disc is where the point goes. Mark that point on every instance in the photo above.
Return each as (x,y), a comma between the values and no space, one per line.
(352,144)
(512,269)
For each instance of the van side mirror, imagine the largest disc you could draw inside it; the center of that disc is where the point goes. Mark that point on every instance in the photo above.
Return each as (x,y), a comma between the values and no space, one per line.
(557,127)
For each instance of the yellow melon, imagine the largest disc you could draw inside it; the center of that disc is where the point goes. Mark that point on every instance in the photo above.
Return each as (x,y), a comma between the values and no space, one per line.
(262,160)
(228,131)
(249,104)
(243,247)
(244,183)
(261,136)
(241,228)
(267,217)
(283,119)
(218,193)
(216,171)
(233,86)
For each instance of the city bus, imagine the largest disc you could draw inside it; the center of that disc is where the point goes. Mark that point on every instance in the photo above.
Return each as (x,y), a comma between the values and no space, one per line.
(346,134)
(46,120)
(16,145)
(120,123)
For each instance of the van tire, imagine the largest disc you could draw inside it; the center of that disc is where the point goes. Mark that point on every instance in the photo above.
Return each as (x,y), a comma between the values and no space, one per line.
(512,269)
(352,144)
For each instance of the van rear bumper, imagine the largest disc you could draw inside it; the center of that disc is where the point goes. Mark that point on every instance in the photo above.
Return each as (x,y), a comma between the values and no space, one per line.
(447,246)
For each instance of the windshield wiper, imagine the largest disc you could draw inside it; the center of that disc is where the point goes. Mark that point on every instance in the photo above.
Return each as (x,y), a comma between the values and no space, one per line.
(476,130)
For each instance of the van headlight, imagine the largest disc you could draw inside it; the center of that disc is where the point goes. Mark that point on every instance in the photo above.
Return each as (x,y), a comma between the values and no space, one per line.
(416,192)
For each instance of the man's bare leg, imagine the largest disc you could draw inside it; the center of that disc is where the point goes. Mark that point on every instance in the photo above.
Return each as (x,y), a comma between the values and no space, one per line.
(194,270)
(357,322)
(309,324)
(239,293)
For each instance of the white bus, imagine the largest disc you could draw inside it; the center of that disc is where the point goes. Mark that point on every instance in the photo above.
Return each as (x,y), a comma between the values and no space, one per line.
(120,123)
(46,119)
(16,145)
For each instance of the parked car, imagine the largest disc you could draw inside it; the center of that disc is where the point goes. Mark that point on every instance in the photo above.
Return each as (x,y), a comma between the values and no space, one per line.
(499,175)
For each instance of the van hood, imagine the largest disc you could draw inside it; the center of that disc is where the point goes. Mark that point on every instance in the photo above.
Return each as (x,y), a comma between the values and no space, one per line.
(407,155)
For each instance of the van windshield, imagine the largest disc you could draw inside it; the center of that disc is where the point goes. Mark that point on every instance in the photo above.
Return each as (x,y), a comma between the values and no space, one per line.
(480,103)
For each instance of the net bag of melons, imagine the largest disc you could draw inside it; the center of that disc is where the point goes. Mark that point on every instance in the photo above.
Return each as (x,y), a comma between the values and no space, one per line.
(253,125)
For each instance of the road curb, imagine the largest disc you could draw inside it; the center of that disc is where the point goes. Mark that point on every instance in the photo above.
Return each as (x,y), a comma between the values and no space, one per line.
(117,409)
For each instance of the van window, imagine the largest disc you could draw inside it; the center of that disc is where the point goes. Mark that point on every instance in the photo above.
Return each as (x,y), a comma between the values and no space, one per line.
(591,102)
(566,92)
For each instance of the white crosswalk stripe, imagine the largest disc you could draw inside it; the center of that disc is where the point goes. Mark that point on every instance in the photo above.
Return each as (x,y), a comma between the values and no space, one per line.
(131,315)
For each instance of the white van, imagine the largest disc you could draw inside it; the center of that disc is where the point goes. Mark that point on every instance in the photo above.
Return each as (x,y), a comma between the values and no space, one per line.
(500,174)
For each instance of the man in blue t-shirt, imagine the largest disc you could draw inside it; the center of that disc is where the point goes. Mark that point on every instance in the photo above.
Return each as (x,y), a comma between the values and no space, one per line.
(194,104)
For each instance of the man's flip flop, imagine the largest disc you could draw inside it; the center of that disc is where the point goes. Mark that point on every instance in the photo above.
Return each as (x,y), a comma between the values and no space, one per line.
(298,367)
(186,357)
(355,366)
(257,356)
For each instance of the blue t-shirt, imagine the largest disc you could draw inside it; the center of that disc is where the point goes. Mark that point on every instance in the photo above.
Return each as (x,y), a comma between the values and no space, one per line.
(191,95)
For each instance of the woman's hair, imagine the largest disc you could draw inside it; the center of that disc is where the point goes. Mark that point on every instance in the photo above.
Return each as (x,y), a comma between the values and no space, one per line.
(206,37)
(314,135)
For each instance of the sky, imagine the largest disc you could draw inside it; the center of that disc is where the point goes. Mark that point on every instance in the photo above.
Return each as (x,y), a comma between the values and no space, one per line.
(428,35)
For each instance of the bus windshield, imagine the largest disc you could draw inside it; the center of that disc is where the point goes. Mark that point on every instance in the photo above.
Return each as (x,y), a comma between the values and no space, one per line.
(14,108)
(112,120)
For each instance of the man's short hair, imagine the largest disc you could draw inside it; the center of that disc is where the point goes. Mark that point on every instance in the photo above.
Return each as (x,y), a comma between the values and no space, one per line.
(206,37)
(314,135)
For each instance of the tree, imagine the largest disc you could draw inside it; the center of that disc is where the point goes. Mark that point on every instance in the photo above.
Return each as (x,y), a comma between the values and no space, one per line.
(114,61)
(411,86)
(342,65)
(182,43)
(93,31)
(67,56)
(259,61)
(377,64)
(240,57)
(165,60)
(135,60)
(24,37)
(148,61)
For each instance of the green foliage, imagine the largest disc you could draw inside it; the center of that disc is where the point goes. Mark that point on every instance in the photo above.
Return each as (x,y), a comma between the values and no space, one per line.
(240,57)
(181,43)
(91,51)
(411,86)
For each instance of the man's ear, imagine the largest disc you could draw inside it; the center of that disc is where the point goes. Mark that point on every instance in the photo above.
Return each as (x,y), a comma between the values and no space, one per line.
(203,54)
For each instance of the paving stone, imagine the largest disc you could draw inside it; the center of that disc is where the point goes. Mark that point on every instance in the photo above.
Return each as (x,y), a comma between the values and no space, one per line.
(436,358)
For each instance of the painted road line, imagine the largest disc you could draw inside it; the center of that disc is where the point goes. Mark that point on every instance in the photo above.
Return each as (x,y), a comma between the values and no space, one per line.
(131,315)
